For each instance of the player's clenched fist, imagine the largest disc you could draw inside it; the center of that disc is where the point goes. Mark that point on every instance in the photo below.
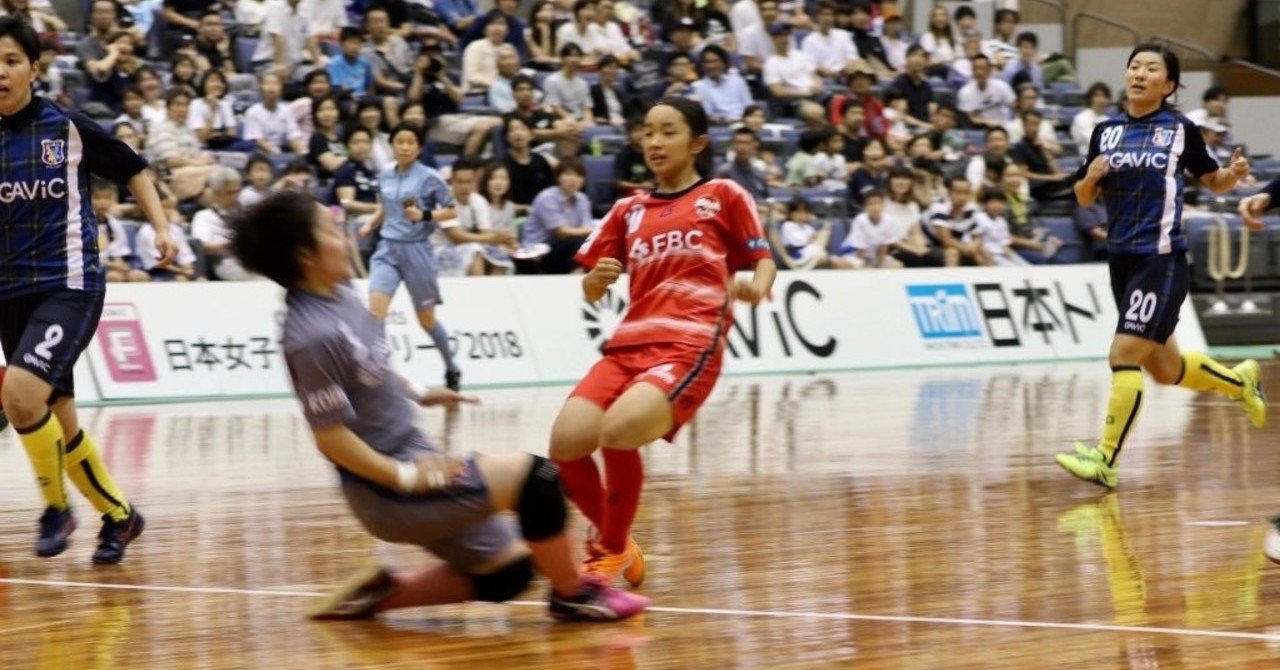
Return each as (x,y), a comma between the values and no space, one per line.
(605,273)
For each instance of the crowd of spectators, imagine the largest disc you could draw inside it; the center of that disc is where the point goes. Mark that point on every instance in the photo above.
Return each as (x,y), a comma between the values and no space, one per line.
(864,145)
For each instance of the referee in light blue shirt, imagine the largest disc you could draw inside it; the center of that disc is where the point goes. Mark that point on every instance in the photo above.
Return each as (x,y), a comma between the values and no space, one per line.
(52,286)
(413,197)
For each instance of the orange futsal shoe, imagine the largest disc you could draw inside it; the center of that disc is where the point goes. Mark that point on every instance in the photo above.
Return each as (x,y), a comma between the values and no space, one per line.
(629,564)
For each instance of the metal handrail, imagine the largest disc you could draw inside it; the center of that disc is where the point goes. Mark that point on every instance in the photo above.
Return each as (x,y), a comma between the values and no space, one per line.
(1183,44)
(1254,66)
(1061,8)
(1221,268)
(1105,20)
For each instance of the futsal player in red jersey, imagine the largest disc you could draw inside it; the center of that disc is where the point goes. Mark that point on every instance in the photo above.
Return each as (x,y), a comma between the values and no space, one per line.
(681,246)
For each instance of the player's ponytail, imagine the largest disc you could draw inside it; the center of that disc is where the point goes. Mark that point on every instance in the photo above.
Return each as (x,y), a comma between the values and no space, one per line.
(699,126)
(1172,66)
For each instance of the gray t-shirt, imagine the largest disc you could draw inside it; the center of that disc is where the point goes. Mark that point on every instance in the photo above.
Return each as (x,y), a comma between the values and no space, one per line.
(338,356)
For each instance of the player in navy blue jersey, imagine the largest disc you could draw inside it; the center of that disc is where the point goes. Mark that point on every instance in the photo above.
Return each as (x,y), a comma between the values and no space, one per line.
(1136,163)
(52,286)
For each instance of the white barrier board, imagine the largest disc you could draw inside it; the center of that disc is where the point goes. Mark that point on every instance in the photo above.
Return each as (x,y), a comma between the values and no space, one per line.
(221,338)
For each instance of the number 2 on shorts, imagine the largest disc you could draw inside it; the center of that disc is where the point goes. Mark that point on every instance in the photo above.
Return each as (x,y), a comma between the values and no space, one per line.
(1142,306)
(52,336)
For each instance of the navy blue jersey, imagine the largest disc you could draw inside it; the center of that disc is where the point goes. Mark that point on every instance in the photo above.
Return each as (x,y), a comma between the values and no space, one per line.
(48,232)
(1144,189)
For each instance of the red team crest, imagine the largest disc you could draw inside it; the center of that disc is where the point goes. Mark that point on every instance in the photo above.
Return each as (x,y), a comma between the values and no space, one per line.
(707,206)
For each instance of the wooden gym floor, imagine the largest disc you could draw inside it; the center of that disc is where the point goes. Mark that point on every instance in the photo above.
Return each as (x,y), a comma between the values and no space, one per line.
(907,519)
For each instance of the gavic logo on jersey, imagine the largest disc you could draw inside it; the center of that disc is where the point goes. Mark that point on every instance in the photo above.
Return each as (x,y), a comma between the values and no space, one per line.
(11,191)
(1138,160)
(53,153)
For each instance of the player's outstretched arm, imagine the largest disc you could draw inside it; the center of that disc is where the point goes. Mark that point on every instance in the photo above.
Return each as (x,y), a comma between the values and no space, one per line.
(760,285)
(346,450)
(601,277)
(148,199)
(1225,179)
(1087,189)
(1253,207)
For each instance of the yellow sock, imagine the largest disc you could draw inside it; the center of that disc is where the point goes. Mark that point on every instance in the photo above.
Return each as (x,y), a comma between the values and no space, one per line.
(43,442)
(86,470)
(1122,410)
(1201,373)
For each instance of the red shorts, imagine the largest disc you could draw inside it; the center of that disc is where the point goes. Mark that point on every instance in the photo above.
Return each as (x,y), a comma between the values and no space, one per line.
(684,372)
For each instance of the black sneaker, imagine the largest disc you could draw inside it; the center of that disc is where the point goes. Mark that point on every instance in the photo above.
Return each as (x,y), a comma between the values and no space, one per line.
(358,599)
(453,380)
(55,527)
(116,535)
(4,420)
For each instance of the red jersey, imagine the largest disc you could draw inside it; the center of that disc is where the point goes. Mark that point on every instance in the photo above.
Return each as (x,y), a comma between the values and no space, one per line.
(681,251)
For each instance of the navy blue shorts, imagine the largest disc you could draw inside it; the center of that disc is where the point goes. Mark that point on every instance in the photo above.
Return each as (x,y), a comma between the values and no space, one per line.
(1149,292)
(44,334)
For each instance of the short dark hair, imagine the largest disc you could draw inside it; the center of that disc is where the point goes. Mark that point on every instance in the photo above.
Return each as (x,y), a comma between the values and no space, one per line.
(405,127)
(989,194)
(916,48)
(1214,93)
(178,92)
(356,130)
(980,57)
(350,33)
(570,49)
(1002,14)
(1031,112)
(995,129)
(746,132)
(964,12)
(1096,88)
(606,61)
(873,192)
(467,163)
(259,159)
(314,75)
(717,50)
(269,237)
(523,79)
(100,185)
(572,164)
(495,16)
(948,108)
(1027,37)
(133,89)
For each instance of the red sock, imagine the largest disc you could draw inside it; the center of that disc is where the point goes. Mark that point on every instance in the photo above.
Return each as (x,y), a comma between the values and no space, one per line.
(581,480)
(625,471)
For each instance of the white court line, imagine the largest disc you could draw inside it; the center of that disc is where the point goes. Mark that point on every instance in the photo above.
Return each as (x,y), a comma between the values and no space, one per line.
(1217,524)
(771,614)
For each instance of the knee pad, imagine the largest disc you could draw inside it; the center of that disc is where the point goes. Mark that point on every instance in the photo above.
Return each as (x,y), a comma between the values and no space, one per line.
(505,583)
(541,507)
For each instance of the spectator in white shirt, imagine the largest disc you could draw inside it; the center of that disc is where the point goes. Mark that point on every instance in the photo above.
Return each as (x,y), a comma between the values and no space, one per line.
(212,116)
(1029,100)
(261,174)
(755,44)
(174,146)
(182,268)
(269,123)
(1215,101)
(582,30)
(612,39)
(461,241)
(871,238)
(791,76)
(325,18)
(993,230)
(723,94)
(987,101)
(480,59)
(1099,98)
(939,40)
(896,40)
(566,92)
(829,47)
(210,225)
(286,41)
